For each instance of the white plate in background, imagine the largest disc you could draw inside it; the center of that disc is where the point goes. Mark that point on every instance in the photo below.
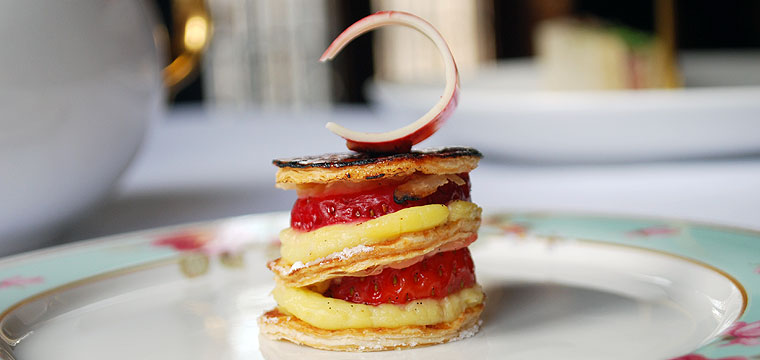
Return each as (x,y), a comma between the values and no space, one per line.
(503,112)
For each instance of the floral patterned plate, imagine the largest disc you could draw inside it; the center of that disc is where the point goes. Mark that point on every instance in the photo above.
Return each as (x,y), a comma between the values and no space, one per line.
(558,286)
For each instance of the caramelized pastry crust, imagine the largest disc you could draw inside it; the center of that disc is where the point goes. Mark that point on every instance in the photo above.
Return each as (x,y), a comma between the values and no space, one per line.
(358,167)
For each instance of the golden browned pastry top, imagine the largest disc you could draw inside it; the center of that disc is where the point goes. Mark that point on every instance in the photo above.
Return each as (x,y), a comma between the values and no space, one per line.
(358,167)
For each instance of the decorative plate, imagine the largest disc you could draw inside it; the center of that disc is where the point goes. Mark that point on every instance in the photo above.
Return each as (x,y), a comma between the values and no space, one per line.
(558,286)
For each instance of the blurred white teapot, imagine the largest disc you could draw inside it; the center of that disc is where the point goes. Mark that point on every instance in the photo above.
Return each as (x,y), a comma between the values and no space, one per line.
(80,80)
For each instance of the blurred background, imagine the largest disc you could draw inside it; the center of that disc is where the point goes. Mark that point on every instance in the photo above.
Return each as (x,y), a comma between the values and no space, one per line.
(263,52)
(121,116)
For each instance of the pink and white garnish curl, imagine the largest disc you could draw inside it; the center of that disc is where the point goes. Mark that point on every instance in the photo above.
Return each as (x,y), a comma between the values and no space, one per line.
(402,139)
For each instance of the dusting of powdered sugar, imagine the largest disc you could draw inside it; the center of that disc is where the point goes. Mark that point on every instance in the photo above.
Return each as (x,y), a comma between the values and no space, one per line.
(370,347)
(349,252)
(469,332)
(296,265)
(341,255)
(270,320)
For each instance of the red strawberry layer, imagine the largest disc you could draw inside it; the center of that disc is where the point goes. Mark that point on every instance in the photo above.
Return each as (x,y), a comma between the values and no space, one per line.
(311,213)
(435,277)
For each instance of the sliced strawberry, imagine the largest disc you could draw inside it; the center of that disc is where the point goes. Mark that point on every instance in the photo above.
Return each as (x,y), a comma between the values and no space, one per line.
(435,277)
(311,213)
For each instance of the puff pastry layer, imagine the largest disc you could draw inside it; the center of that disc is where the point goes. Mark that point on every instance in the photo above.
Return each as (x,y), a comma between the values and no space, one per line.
(405,247)
(279,326)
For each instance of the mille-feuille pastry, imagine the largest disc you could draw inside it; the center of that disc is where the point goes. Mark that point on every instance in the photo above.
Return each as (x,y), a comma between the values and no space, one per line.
(376,255)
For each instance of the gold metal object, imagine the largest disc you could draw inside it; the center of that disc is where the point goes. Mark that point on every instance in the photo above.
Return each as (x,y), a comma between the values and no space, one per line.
(192,33)
(665,24)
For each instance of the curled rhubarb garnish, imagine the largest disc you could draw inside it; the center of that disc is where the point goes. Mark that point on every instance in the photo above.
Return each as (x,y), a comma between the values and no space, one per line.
(402,139)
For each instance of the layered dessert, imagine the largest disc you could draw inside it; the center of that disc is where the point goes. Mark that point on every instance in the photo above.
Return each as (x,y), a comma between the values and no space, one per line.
(376,253)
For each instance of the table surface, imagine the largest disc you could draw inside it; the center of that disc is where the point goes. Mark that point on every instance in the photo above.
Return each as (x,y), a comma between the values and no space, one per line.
(205,164)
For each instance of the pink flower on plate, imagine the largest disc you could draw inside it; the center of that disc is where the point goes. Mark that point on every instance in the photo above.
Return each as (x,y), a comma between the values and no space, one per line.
(185,241)
(743,333)
(700,357)
(654,231)
(20,281)
(229,238)
(514,229)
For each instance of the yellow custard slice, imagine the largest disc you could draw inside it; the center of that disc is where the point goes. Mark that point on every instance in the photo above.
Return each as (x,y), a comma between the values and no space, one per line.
(333,314)
(308,246)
